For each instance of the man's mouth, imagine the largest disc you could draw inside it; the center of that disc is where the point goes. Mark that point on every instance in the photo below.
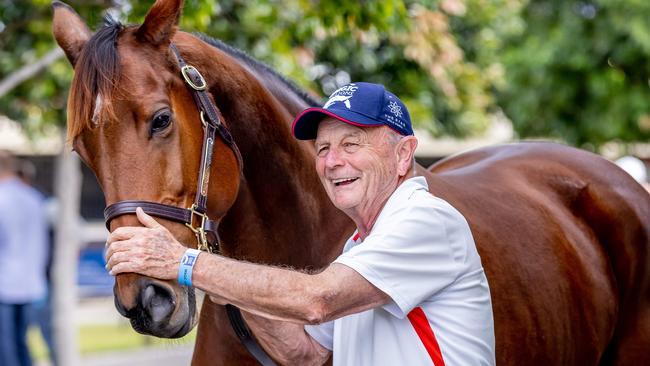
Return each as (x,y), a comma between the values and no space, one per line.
(343,181)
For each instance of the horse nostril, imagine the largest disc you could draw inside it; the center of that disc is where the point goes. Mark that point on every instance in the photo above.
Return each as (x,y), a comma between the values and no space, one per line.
(158,302)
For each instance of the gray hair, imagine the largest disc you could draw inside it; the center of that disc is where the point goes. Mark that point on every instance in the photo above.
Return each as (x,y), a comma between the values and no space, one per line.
(393,138)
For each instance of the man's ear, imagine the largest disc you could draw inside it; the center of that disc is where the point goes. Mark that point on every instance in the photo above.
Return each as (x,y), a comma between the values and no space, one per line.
(405,151)
(70,31)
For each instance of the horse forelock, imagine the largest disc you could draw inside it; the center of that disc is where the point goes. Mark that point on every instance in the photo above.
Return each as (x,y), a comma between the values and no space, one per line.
(94,82)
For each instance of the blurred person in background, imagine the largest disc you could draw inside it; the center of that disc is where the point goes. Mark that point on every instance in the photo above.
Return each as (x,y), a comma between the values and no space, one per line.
(636,168)
(41,314)
(23,257)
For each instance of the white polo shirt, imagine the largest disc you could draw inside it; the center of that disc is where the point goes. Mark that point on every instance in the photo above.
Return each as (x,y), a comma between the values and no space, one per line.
(421,253)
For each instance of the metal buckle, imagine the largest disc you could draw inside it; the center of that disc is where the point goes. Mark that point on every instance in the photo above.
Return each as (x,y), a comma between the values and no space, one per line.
(200,233)
(203,121)
(186,76)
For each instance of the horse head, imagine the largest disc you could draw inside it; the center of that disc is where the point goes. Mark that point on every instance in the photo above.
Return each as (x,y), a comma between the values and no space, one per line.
(134,122)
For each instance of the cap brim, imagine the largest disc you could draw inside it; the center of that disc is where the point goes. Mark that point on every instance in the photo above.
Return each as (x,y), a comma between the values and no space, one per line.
(305,126)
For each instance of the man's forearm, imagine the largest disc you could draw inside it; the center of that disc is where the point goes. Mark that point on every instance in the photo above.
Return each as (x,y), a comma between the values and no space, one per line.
(276,302)
(270,292)
(286,342)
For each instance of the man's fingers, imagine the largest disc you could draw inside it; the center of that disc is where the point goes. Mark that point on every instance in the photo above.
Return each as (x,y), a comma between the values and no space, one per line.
(116,247)
(145,219)
(114,259)
(121,267)
(123,233)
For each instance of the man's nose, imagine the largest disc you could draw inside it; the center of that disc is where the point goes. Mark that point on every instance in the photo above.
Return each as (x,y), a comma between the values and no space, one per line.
(333,159)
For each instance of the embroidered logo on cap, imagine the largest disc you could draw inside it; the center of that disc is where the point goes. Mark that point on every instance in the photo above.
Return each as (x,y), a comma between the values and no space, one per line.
(338,98)
(395,108)
(342,94)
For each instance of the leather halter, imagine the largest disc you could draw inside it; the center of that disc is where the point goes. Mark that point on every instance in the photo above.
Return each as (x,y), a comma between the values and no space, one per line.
(195,217)
(205,229)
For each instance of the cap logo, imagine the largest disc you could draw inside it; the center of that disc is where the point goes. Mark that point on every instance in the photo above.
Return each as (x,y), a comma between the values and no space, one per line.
(338,98)
(395,109)
(342,94)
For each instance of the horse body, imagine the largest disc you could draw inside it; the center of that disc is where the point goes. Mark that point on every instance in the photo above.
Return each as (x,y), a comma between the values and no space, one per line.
(563,237)
(563,234)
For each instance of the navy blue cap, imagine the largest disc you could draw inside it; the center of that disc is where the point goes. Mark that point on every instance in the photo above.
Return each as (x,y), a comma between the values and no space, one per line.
(359,104)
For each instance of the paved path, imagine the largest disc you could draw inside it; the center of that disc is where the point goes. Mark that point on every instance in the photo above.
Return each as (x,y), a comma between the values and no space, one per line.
(149,356)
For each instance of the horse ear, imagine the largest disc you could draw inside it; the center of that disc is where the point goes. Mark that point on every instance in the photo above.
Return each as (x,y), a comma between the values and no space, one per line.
(160,23)
(70,31)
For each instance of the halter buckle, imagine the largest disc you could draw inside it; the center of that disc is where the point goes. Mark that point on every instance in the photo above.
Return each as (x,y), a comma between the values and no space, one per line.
(199,231)
(203,121)
(185,72)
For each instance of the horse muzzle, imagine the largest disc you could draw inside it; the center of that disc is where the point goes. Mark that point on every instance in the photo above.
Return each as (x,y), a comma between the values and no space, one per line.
(155,307)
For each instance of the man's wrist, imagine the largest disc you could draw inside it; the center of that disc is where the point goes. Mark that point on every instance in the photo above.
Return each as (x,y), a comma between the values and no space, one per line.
(188,260)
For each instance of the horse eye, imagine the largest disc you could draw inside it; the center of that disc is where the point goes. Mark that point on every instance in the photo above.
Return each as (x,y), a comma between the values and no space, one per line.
(160,121)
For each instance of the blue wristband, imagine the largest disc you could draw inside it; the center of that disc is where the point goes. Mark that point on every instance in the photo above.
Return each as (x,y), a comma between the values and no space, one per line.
(187,264)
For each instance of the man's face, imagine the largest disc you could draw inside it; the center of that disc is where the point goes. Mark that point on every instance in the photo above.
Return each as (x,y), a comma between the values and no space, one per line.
(357,166)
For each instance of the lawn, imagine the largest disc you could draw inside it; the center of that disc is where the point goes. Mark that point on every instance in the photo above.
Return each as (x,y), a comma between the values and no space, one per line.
(106,337)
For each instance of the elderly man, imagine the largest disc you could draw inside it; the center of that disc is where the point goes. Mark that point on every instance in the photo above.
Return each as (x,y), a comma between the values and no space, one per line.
(409,287)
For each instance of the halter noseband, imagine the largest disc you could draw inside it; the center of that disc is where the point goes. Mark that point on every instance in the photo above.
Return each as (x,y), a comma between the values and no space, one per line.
(195,217)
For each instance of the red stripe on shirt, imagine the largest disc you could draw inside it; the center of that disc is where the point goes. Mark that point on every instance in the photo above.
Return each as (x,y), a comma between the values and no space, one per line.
(418,319)
(356,237)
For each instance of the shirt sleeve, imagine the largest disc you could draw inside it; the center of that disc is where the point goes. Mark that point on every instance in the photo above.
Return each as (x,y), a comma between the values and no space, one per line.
(414,256)
(322,333)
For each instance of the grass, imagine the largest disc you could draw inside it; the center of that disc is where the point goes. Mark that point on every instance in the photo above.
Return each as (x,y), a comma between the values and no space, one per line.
(104,338)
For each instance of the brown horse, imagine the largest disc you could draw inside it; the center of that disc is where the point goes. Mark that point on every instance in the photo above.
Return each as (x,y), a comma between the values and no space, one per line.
(562,233)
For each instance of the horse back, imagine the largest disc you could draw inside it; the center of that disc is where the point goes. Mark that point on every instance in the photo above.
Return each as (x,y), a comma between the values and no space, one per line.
(563,236)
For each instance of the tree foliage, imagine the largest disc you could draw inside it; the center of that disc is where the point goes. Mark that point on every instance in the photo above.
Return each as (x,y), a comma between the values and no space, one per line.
(25,36)
(579,71)
(576,70)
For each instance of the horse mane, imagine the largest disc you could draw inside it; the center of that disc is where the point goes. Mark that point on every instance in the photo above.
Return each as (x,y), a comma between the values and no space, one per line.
(260,67)
(98,68)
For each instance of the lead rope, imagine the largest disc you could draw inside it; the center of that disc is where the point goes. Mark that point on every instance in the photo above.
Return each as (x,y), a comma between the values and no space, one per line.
(246,337)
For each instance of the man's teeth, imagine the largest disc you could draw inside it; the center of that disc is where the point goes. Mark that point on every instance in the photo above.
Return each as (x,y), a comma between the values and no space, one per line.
(343,180)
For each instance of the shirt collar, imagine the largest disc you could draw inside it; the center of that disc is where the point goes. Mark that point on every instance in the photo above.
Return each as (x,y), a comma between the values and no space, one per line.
(402,192)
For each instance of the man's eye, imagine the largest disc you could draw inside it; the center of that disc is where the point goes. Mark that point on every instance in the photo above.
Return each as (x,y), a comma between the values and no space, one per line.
(322,150)
(350,146)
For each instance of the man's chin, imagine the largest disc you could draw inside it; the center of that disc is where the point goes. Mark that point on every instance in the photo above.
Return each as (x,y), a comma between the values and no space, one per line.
(345,203)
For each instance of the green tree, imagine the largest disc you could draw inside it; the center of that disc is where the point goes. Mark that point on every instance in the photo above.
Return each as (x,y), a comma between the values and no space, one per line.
(408,46)
(573,70)
(25,37)
(579,71)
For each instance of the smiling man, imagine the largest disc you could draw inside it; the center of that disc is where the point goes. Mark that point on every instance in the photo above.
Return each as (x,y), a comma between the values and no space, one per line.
(409,287)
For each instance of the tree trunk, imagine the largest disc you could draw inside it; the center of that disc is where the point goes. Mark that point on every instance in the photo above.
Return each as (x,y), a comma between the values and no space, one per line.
(66,253)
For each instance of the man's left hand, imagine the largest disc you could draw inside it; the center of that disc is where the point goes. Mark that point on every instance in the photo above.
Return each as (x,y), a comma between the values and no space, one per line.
(150,250)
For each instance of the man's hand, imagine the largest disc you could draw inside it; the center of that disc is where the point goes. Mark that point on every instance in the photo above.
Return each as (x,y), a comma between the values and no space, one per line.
(150,250)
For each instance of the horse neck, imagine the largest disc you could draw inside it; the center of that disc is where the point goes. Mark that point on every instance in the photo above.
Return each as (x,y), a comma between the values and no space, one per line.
(282,214)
